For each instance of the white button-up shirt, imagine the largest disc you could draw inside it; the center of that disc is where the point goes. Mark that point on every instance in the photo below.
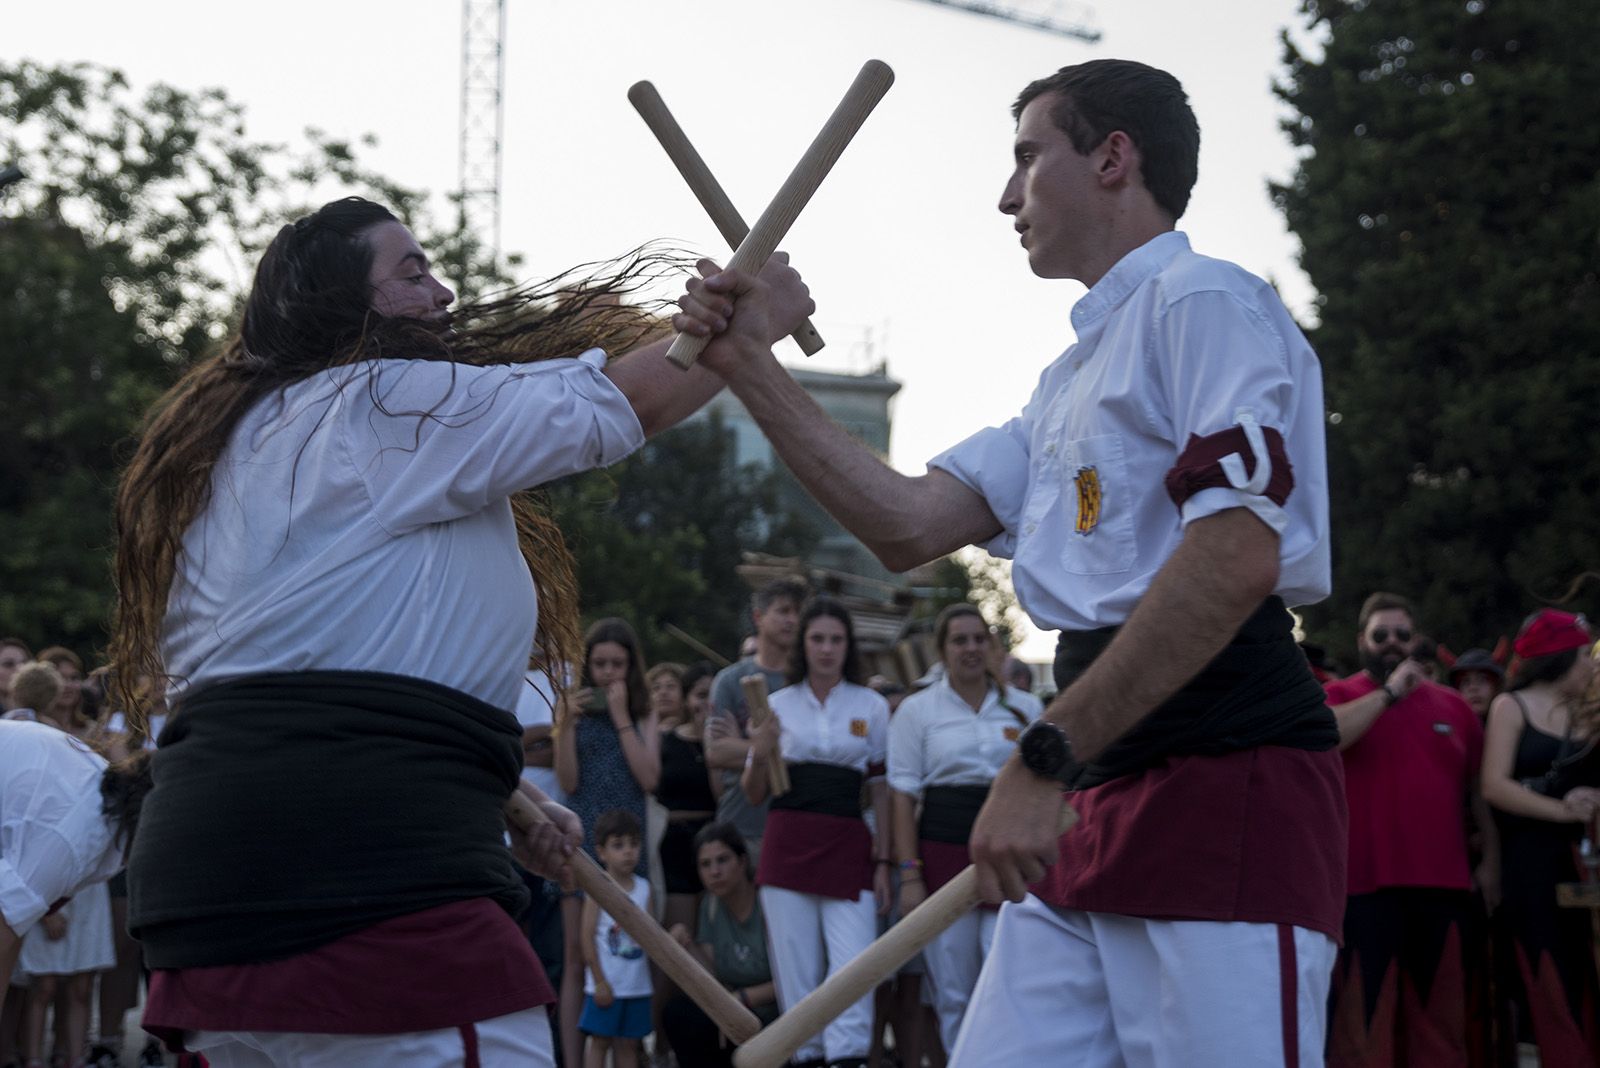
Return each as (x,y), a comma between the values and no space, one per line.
(850,728)
(348,531)
(936,739)
(1170,344)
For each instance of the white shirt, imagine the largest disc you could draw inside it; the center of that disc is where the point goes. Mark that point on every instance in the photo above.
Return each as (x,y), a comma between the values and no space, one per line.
(849,729)
(626,969)
(347,531)
(536,703)
(936,739)
(1170,343)
(53,839)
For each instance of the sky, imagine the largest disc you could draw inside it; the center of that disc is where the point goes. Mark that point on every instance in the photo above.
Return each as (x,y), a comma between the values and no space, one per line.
(906,254)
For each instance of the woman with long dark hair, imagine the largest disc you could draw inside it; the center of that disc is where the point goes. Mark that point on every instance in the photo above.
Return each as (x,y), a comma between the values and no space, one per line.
(730,937)
(1541,775)
(946,744)
(824,875)
(608,756)
(324,551)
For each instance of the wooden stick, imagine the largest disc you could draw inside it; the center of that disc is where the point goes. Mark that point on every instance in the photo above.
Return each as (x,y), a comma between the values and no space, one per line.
(755,699)
(736,1021)
(863,95)
(872,966)
(696,644)
(704,185)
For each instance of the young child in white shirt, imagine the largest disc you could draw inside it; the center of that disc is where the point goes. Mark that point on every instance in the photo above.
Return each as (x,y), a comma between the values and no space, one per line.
(616,1002)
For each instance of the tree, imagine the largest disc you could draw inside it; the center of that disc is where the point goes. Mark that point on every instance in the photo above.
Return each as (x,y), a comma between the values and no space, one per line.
(1448,202)
(658,537)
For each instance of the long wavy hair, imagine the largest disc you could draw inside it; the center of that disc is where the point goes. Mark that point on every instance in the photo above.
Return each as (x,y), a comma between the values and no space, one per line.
(309,309)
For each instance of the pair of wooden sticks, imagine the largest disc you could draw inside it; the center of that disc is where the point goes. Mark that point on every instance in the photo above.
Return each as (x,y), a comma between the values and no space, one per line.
(767,1048)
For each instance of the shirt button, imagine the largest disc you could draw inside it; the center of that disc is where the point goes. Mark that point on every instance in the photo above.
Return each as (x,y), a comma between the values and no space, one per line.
(1050,449)
(1030,528)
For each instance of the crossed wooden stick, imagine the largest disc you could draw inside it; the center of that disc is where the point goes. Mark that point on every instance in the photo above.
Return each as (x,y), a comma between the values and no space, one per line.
(767,1048)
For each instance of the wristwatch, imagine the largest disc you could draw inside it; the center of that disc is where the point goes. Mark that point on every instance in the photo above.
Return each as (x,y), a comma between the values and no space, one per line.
(1047,753)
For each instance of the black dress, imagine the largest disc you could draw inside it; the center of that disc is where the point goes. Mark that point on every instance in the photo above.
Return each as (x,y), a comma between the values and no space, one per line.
(1551,954)
(684,787)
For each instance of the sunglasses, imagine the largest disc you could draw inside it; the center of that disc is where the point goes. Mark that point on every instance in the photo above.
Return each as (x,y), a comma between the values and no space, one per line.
(1380,635)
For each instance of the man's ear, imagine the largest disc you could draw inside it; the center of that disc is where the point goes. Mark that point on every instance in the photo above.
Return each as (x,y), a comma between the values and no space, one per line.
(1118,160)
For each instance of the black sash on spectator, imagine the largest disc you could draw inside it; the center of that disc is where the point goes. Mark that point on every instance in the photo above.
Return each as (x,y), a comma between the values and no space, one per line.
(290,810)
(948,812)
(824,788)
(1258,691)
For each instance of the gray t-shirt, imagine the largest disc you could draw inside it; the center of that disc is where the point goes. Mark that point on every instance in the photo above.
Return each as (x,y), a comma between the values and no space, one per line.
(738,950)
(730,718)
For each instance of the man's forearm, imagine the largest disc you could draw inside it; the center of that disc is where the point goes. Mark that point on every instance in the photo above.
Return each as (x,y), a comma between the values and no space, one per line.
(1226,565)
(904,520)
(1355,718)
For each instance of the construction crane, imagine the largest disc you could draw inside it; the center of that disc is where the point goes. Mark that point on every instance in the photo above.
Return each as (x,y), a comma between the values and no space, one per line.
(1068,19)
(483,32)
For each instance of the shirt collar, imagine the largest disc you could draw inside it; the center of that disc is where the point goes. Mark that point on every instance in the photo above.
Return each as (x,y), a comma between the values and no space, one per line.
(1129,273)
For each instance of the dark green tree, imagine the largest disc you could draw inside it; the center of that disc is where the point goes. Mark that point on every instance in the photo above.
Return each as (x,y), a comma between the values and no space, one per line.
(658,537)
(1448,204)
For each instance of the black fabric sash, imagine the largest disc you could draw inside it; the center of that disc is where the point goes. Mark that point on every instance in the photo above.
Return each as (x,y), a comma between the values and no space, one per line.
(948,812)
(290,810)
(1258,691)
(825,788)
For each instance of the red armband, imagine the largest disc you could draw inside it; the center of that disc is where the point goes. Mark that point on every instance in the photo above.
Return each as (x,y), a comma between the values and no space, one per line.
(1203,465)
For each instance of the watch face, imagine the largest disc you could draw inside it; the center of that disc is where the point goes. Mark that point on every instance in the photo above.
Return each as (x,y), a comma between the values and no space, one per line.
(1044,748)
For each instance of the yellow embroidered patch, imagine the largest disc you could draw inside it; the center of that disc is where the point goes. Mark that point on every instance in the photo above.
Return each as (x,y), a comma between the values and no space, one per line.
(1013,733)
(858,728)
(1088,482)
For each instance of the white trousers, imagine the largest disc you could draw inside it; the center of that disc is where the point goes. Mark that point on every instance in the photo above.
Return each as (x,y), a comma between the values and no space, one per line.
(518,1040)
(954,960)
(810,938)
(1096,990)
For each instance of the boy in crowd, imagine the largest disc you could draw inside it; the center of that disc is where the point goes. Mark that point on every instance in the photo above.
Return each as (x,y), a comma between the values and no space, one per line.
(616,1003)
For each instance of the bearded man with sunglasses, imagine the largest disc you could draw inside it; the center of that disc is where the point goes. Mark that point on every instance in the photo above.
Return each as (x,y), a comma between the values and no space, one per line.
(1412,749)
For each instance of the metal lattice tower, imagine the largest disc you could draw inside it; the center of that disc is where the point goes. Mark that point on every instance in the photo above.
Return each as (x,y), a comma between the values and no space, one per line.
(1064,17)
(483,31)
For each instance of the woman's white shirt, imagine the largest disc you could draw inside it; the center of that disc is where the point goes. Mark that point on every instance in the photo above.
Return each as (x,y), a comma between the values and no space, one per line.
(360,520)
(849,728)
(935,738)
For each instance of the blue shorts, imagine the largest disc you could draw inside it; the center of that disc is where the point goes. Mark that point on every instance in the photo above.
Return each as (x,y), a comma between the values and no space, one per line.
(626,1018)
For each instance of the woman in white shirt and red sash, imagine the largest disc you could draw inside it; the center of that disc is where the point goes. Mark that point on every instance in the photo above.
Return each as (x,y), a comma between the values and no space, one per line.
(823,876)
(946,745)
(324,553)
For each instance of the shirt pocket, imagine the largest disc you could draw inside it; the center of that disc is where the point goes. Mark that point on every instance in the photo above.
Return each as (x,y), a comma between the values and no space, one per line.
(1097,507)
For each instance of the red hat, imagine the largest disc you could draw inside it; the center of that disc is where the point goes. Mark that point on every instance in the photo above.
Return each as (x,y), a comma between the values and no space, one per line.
(1552,632)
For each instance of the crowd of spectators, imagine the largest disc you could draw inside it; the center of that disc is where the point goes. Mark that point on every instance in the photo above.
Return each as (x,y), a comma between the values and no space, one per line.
(1473,784)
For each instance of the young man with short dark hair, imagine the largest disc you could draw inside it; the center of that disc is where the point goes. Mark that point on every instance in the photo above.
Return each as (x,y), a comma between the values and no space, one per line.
(775,613)
(1163,496)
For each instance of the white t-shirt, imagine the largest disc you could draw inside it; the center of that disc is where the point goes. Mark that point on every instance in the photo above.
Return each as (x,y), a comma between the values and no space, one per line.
(1170,344)
(53,839)
(625,965)
(850,728)
(935,738)
(536,708)
(346,530)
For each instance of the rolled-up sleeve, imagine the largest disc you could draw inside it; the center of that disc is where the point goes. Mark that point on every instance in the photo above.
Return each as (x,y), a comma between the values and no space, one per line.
(440,441)
(907,767)
(993,463)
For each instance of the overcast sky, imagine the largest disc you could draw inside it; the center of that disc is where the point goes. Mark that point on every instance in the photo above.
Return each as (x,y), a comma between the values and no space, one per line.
(905,252)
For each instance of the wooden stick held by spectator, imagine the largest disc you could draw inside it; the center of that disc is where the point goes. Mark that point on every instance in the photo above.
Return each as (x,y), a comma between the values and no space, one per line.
(755,699)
